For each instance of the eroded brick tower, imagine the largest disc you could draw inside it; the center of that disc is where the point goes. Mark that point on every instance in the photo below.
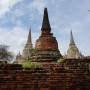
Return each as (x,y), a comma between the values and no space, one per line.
(46,45)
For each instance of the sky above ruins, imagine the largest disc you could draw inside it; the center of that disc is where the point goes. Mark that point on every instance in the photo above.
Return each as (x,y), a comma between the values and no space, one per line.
(17,16)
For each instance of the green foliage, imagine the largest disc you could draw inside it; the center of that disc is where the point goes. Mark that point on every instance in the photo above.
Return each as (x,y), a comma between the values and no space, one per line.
(61,60)
(5,54)
(34,51)
(31,65)
(57,54)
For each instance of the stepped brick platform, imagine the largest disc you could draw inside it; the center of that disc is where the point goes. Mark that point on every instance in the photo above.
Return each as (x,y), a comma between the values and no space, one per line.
(51,76)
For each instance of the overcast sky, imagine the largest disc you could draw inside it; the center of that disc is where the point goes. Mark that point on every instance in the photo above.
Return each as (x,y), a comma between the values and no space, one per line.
(17,16)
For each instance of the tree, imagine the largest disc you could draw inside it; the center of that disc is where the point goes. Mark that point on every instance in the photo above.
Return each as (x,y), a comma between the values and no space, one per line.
(5,54)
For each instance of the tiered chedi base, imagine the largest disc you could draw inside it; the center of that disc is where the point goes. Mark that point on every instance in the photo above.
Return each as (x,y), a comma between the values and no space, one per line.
(46,56)
(46,48)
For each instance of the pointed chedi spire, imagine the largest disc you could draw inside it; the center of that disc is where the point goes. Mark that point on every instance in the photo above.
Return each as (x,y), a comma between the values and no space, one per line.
(29,37)
(29,40)
(27,51)
(73,51)
(45,24)
(71,39)
(19,53)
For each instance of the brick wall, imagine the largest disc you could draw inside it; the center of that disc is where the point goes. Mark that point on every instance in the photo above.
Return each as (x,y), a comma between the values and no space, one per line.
(54,77)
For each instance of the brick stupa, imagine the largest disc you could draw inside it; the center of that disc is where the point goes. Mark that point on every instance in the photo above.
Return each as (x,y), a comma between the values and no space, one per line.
(46,45)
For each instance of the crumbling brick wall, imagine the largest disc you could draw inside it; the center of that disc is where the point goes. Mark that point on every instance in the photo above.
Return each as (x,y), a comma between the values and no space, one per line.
(54,77)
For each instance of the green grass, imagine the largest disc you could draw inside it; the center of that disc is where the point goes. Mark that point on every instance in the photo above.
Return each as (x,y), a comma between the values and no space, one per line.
(61,60)
(29,64)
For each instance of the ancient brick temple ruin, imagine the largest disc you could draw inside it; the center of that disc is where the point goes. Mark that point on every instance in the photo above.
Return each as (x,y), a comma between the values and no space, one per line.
(73,51)
(56,72)
(46,45)
(26,51)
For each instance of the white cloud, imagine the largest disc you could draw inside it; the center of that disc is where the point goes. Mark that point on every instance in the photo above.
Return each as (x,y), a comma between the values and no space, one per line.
(15,38)
(6,5)
(39,5)
(76,27)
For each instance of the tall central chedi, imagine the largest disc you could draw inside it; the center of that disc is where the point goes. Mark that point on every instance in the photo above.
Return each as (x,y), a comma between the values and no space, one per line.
(46,45)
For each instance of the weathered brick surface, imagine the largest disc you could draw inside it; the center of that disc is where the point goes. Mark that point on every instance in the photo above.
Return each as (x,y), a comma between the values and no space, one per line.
(52,77)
